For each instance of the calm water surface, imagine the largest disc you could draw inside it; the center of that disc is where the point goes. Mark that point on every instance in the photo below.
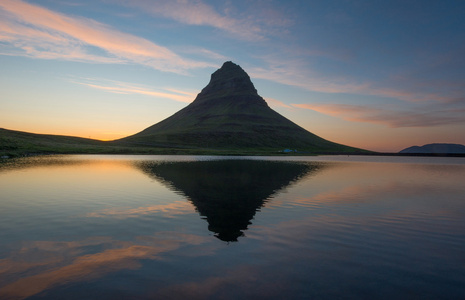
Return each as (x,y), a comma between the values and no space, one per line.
(177,227)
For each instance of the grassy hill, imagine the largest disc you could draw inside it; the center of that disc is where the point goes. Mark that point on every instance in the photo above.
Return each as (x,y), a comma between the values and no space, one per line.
(229,114)
(18,143)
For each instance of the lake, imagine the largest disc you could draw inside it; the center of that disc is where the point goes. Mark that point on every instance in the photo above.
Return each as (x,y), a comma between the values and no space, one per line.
(201,227)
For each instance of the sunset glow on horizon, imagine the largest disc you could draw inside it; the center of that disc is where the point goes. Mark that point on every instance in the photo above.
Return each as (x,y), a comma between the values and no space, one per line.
(381,76)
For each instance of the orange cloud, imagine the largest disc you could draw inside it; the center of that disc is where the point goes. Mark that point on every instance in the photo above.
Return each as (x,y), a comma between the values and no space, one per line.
(34,31)
(338,110)
(119,87)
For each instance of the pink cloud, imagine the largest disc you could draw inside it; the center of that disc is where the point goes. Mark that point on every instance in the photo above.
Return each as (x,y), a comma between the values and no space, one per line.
(34,31)
(390,118)
(276,103)
(119,87)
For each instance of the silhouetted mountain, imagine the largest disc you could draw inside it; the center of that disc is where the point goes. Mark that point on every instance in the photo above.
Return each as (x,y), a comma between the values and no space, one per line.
(229,113)
(228,192)
(436,149)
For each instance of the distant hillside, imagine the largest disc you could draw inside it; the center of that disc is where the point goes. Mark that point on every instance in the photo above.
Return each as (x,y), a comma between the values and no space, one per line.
(18,143)
(229,114)
(436,149)
(14,143)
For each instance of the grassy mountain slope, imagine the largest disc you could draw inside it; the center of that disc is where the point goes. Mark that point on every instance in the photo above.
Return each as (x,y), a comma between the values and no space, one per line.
(229,114)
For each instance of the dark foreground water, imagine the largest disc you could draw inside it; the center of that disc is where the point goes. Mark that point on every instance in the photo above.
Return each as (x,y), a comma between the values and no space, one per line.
(170,227)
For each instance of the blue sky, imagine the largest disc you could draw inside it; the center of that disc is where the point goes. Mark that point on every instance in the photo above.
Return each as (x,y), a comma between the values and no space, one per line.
(380,75)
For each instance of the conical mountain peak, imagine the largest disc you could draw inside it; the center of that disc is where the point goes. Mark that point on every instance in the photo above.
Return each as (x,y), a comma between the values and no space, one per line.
(229,114)
(229,80)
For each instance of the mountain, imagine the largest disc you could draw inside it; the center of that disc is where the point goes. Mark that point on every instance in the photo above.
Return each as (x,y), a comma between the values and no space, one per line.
(228,193)
(229,114)
(436,149)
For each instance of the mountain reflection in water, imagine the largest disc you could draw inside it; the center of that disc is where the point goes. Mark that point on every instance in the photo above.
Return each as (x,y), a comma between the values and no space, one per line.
(227,193)
(126,227)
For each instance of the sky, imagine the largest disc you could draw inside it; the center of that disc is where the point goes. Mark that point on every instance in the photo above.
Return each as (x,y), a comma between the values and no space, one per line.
(378,75)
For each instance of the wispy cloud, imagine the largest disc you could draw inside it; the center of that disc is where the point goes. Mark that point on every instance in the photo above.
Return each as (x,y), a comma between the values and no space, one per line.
(201,52)
(34,31)
(390,118)
(119,87)
(298,72)
(288,75)
(276,103)
(198,13)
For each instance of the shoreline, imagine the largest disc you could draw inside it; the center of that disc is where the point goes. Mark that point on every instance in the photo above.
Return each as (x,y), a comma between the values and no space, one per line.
(217,152)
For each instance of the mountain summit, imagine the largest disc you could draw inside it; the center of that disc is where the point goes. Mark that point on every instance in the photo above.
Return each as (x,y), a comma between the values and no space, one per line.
(228,113)
(231,79)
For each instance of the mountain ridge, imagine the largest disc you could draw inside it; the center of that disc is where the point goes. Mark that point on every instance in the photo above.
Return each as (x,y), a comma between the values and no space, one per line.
(436,148)
(229,113)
